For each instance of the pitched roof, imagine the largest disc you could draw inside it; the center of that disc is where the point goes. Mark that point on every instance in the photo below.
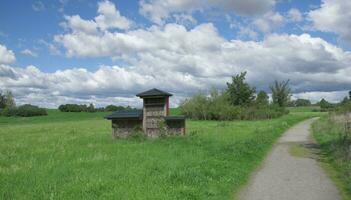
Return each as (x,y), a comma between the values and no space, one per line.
(138,114)
(152,93)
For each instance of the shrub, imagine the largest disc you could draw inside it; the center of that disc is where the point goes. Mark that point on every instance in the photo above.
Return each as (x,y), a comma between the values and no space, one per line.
(73,108)
(26,110)
(216,106)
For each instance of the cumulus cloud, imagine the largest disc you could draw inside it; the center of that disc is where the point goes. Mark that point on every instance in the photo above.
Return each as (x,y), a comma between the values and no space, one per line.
(6,56)
(29,52)
(295,15)
(316,96)
(269,21)
(159,10)
(109,18)
(333,16)
(183,61)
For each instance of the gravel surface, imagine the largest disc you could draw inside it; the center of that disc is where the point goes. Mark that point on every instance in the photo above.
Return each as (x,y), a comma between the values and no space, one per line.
(286,177)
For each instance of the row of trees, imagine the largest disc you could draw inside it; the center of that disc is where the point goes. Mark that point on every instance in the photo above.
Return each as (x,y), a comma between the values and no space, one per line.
(238,101)
(91,108)
(8,107)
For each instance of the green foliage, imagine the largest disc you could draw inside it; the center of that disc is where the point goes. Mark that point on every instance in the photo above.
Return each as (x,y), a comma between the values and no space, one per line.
(7,99)
(325,105)
(343,107)
(240,92)
(91,108)
(302,102)
(71,156)
(73,108)
(26,110)
(215,106)
(138,134)
(262,99)
(334,138)
(281,93)
(112,108)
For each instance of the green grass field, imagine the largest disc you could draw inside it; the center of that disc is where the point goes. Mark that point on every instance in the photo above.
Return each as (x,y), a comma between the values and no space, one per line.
(72,156)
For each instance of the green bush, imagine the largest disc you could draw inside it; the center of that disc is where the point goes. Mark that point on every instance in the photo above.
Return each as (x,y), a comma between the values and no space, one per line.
(26,110)
(8,112)
(216,106)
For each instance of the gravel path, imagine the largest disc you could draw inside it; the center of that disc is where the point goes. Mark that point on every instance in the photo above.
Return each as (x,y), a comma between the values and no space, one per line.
(286,177)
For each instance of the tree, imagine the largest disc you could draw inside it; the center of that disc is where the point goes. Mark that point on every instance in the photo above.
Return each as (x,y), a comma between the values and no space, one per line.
(2,100)
(325,104)
(350,95)
(240,92)
(91,108)
(281,93)
(262,99)
(302,102)
(9,100)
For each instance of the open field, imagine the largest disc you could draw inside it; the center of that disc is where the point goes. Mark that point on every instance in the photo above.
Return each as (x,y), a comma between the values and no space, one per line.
(72,156)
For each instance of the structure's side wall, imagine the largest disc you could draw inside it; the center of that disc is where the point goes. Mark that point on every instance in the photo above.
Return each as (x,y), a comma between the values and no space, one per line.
(154,111)
(176,127)
(122,128)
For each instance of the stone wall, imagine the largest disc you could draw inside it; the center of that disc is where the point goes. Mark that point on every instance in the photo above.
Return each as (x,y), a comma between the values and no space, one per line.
(176,127)
(122,128)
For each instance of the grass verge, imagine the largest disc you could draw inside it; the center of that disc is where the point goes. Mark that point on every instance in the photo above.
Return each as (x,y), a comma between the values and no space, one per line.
(334,157)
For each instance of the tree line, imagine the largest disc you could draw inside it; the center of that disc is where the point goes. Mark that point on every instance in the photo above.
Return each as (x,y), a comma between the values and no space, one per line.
(238,101)
(91,108)
(8,107)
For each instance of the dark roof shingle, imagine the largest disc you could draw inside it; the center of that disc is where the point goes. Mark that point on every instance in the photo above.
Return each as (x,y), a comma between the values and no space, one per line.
(126,114)
(153,92)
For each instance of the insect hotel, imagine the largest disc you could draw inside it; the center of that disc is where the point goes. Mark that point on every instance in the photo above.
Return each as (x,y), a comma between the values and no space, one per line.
(154,118)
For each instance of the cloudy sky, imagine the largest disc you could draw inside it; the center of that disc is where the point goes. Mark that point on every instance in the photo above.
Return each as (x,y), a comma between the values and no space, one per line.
(103,52)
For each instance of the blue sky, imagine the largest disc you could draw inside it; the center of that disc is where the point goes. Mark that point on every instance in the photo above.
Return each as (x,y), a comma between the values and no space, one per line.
(76,46)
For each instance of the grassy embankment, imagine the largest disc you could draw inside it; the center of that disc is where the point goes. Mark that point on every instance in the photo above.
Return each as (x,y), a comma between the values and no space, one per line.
(72,156)
(336,151)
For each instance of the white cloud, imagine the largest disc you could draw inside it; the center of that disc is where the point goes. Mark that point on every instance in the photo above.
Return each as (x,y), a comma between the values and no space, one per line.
(78,24)
(38,6)
(29,52)
(159,10)
(182,61)
(6,56)
(269,21)
(295,15)
(316,96)
(110,17)
(333,16)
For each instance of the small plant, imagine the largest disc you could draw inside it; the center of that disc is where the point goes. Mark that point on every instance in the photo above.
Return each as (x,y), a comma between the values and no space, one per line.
(137,133)
(163,129)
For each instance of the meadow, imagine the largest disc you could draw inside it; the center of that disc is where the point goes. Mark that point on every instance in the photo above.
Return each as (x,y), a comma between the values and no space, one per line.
(72,156)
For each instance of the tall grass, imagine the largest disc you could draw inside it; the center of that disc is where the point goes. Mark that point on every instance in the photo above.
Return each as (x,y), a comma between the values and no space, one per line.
(72,156)
(335,142)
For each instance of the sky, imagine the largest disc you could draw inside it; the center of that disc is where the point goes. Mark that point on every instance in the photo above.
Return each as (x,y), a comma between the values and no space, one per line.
(104,52)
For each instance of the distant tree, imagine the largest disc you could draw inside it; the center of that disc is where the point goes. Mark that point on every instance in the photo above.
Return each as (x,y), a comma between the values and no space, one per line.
(2,100)
(302,102)
(9,99)
(345,100)
(350,95)
(240,92)
(324,104)
(262,99)
(91,108)
(281,93)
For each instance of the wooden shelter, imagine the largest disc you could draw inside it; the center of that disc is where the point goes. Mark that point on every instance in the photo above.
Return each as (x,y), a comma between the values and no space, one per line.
(154,118)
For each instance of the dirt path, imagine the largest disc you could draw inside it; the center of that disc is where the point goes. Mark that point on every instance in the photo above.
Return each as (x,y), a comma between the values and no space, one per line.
(286,177)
